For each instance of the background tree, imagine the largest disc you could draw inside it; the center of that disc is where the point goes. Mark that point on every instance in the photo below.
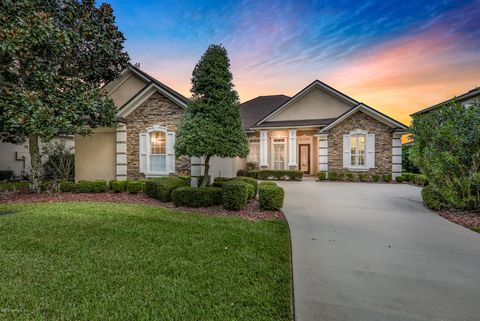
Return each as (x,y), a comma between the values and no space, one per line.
(447,151)
(54,57)
(211,124)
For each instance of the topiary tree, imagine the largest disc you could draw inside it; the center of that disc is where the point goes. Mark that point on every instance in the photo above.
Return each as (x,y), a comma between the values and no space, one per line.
(211,124)
(54,57)
(447,151)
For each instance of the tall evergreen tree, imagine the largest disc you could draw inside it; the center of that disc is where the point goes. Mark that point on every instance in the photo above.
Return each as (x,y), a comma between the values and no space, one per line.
(54,57)
(211,124)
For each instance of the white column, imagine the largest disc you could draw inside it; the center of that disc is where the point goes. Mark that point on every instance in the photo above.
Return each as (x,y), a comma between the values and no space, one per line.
(292,148)
(396,155)
(323,153)
(197,167)
(121,150)
(263,148)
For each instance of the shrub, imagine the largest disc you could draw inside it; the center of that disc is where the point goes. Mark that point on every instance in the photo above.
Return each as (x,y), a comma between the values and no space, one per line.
(60,162)
(218,181)
(11,186)
(50,186)
(252,181)
(250,192)
(253,173)
(351,176)
(284,174)
(68,186)
(271,197)
(234,195)
(135,187)
(252,166)
(421,180)
(186,179)
(375,177)
(200,180)
(242,172)
(332,176)
(322,176)
(340,176)
(99,186)
(409,177)
(387,177)
(363,177)
(432,199)
(6,174)
(118,186)
(266,184)
(400,179)
(162,188)
(197,196)
(445,149)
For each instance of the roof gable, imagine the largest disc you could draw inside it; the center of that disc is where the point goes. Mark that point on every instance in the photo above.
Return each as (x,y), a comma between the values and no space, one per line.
(369,111)
(253,110)
(316,101)
(463,99)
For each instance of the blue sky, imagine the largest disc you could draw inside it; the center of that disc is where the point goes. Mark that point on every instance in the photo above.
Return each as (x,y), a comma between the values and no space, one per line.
(397,56)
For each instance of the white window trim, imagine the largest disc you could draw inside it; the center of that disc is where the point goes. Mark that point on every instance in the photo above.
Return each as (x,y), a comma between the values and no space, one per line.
(365,166)
(273,143)
(152,129)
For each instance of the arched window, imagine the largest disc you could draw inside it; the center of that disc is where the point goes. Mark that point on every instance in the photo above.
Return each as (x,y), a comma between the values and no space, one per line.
(157,157)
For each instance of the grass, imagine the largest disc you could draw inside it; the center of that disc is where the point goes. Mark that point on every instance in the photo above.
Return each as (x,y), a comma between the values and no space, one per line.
(94,261)
(476,229)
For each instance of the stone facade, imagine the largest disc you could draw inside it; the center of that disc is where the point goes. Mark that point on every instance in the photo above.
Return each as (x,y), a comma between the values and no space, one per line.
(156,110)
(383,142)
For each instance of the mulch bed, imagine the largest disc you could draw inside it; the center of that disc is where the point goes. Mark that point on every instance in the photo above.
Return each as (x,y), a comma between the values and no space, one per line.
(251,212)
(466,219)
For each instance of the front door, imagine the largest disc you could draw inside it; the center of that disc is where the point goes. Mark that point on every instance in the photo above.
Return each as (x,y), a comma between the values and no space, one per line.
(304,157)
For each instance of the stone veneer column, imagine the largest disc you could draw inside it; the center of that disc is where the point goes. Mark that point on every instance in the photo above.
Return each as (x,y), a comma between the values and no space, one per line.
(263,148)
(323,153)
(121,147)
(396,155)
(292,149)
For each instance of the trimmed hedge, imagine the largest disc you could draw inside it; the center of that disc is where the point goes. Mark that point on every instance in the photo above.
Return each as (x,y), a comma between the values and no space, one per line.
(186,179)
(432,199)
(9,186)
(98,186)
(118,186)
(162,188)
(332,176)
(266,184)
(283,174)
(322,176)
(253,173)
(135,187)
(421,180)
(218,181)
(387,177)
(6,174)
(234,195)
(375,177)
(68,186)
(271,197)
(251,181)
(351,176)
(197,196)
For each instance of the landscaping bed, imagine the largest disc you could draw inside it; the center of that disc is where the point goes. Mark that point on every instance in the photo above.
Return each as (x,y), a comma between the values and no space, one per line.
(97,261)
(252,211)
(466,219)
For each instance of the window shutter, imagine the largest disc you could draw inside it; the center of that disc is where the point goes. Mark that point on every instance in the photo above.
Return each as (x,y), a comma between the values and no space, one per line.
(371,150)
(142,153)
(346,151)
(171,152)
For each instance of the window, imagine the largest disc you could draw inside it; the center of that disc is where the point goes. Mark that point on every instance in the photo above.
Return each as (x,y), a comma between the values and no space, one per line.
(279,153)
(158,152)
(357,150)
(254,147)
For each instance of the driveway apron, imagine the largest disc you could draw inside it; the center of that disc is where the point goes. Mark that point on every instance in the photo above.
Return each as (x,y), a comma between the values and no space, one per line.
(372,252)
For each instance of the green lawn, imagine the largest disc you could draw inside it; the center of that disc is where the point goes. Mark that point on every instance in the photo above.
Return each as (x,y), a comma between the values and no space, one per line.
(94,261)
(476,229)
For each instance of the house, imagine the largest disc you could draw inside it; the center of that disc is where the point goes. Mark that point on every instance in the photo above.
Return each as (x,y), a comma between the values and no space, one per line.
(16,157)
(318,129)
(464,99)
(321,129)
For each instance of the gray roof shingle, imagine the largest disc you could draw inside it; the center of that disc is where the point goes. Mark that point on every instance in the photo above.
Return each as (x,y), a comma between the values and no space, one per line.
(255,109)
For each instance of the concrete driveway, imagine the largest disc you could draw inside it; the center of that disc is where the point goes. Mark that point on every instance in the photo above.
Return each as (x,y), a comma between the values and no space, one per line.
(373,252)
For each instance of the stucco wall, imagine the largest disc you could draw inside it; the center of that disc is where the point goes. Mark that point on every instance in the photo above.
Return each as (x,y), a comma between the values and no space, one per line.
(383,142)
(316,104)
(95,155)
(156,110)
(126,88)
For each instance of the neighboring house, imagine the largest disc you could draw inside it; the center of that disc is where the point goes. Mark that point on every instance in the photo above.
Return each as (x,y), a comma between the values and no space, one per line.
(321,129)
(318,129)
(464,99)
(15,157)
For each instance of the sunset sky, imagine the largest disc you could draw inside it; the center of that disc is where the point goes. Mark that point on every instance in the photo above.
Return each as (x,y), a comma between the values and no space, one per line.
(396,56)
